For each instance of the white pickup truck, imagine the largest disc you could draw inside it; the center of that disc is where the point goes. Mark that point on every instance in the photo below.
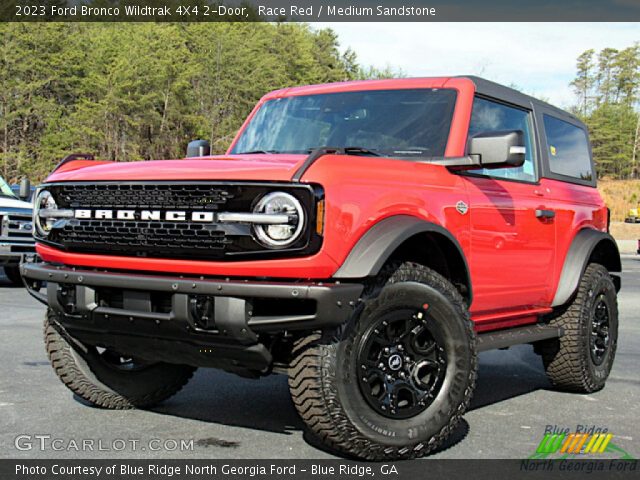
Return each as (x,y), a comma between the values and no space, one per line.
(16,231)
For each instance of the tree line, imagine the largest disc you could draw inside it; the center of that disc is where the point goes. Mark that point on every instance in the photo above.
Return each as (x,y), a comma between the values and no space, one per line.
(136,91)
(607,85)
(141,91)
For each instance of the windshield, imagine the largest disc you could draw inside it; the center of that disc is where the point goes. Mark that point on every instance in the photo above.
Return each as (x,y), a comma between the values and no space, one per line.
(400,123)
(5,189)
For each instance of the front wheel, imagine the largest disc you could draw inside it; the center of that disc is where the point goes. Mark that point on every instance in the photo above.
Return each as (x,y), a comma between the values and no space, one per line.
(106,379)
(394,382)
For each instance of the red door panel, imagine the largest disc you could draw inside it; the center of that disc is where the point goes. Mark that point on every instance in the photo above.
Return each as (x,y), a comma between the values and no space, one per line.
(512,249)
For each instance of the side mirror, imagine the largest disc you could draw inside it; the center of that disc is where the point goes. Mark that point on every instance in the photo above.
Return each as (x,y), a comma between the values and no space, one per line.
(198,148)
(500,149)
(25,189)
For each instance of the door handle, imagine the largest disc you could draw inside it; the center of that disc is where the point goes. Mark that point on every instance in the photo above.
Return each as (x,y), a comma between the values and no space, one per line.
(541,213)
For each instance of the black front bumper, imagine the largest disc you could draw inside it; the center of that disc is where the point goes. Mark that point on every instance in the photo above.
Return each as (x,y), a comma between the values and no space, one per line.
(152,316)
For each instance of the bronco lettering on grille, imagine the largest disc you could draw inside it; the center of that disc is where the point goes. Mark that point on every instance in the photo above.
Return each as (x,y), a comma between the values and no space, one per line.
(169,215)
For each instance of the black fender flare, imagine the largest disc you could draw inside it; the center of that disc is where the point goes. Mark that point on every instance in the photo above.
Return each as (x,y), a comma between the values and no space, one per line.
(580,252)
(375,247)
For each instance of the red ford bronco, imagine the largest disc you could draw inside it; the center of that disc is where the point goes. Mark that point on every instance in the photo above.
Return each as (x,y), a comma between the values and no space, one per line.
(367,239)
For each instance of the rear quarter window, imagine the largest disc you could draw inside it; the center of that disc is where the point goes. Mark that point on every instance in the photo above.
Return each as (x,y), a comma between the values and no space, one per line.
(568,149)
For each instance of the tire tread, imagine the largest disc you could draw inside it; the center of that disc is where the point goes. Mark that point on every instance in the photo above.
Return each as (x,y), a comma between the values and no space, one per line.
(312,380)
(564,359)
(66,368)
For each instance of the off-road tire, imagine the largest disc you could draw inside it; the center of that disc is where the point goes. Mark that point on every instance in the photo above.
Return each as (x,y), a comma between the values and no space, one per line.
(567,360)
(86,375)
(13,274)
(323,383)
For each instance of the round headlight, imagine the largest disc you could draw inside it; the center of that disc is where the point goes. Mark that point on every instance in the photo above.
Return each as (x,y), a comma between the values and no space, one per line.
(279,235)
(44,203)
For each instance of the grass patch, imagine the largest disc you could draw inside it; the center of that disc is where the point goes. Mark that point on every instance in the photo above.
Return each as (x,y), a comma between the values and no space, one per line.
(620,196)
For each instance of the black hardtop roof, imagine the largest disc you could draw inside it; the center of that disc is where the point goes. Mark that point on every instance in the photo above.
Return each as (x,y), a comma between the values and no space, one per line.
(492,89)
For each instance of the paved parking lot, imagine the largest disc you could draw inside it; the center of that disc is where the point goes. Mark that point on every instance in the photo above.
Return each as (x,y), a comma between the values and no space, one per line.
(230,417)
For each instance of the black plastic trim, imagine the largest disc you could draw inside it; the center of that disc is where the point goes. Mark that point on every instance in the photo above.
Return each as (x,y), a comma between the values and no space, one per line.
(182,350)
(335,301)
(322,151)
(576,262)
(516,336)
(469,174)
(72,157)
(310,160)
(378,244)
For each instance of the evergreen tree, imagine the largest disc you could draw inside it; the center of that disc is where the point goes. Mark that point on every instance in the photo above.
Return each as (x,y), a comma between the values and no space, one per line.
(608,92)
(584,80)
(137,91)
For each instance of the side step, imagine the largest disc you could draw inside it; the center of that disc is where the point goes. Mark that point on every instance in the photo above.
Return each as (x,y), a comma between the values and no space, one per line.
(517,336)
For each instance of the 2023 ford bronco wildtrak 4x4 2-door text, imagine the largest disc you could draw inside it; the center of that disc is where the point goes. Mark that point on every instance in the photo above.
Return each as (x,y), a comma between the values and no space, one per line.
(368,239)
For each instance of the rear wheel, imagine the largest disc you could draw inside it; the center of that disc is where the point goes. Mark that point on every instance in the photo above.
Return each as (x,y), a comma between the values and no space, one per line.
(395,381)
(13,274)
(107,379)
(582,358)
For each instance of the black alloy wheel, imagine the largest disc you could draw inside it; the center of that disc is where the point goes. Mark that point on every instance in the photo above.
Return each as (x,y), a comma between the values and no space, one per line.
(403,363)
(599,340)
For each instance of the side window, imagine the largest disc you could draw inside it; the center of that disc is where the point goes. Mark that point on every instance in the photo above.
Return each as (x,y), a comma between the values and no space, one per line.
(490,116)
(568,149)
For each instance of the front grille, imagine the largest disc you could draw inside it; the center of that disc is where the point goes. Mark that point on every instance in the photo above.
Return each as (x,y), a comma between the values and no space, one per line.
(162,238)
(16,226)
(146,238)
(145,195)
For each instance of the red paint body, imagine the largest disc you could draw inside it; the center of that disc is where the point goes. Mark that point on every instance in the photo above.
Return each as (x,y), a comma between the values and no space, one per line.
(514,259)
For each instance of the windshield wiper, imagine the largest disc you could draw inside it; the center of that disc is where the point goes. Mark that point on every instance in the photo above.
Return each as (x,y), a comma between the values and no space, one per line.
(361,151)
(348,150)
(318,152)
(254,152)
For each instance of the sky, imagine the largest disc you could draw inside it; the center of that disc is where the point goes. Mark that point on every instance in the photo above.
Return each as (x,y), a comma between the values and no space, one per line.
(539,58)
